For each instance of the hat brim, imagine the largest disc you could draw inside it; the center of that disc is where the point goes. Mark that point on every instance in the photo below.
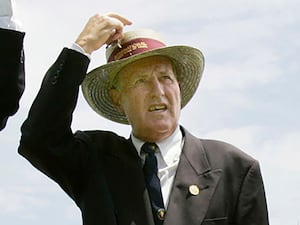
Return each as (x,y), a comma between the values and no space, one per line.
(187,61)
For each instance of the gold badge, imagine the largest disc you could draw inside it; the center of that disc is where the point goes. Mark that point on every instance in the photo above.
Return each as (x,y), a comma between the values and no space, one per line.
(161,213)
(194,189)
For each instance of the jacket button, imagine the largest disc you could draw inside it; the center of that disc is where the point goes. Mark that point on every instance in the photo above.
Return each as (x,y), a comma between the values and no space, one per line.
(54,79)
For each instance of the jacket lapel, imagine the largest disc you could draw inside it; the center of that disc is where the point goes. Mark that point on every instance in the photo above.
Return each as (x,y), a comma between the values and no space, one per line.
(193,187)
(125,177)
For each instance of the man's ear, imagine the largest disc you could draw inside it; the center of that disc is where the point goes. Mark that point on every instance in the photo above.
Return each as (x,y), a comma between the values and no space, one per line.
(179,84)
(115,96)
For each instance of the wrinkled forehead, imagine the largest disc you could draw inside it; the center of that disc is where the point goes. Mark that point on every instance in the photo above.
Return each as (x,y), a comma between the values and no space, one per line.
(144,66)
(149,64)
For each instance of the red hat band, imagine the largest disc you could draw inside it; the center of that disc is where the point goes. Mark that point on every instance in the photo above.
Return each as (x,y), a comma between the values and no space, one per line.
(133,47)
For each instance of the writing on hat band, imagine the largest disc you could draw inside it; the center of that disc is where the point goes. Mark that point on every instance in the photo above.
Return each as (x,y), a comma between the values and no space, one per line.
(134,47)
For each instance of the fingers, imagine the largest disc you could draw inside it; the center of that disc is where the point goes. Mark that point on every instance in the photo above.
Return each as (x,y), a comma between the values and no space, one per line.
(115,35)
(100,30)
(124,20)
(118,22)
(116,31)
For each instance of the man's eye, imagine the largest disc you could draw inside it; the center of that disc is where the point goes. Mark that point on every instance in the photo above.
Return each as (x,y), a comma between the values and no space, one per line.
(167,78)
(140,81)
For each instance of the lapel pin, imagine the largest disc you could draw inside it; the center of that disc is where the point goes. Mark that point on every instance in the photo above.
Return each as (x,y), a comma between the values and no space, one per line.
(194,189)
(161,213)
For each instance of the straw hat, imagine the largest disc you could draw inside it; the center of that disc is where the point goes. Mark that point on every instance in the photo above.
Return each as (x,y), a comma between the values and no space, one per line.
(187,61)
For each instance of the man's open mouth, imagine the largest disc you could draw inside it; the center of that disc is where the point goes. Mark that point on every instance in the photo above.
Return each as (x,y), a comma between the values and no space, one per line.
(157,108)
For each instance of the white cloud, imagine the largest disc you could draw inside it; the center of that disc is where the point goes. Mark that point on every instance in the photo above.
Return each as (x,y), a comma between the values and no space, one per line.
(73,213)
(242,137)
(283,153)
(19,200)
(241,75)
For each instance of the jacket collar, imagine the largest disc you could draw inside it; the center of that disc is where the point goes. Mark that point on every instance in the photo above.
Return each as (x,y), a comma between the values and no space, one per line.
(194,184)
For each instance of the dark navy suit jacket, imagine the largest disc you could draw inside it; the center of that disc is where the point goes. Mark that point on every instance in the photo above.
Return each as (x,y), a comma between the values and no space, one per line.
(101,171)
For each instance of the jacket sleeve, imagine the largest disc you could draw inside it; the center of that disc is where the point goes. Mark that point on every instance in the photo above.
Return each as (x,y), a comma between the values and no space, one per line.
(47,140)
(50,115)
(252,206)
(12,74)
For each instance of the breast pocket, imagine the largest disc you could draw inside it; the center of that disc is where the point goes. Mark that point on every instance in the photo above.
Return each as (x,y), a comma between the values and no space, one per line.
(215,221)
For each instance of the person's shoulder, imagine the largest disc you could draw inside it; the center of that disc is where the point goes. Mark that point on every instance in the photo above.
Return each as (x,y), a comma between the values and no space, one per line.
(218,150)
(99,136)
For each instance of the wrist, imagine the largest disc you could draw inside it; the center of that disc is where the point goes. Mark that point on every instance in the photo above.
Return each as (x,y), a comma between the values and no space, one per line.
(83,45)
(75,46)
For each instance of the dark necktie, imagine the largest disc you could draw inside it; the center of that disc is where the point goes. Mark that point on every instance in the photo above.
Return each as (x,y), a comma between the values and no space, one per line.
(153,183)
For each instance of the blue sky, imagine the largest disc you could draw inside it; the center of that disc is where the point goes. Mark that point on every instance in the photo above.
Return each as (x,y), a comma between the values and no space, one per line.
(248,95)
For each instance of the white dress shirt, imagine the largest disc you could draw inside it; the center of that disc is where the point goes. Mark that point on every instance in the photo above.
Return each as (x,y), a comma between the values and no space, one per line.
(167,160)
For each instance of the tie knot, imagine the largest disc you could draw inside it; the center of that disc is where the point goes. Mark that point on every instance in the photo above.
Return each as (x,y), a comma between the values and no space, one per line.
(149,148)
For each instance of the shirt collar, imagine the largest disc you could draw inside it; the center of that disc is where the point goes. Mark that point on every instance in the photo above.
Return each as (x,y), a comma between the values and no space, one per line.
(170,147)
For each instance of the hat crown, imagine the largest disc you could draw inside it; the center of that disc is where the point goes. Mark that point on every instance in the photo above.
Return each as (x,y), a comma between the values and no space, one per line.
(134,42)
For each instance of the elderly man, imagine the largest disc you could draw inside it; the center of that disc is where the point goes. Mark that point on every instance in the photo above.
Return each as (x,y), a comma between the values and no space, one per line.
(12,76)
(162,174)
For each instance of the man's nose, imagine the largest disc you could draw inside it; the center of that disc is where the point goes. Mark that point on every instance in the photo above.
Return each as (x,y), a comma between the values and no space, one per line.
(156,87)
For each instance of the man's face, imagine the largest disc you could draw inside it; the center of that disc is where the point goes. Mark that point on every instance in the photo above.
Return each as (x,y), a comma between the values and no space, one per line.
(149,94)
